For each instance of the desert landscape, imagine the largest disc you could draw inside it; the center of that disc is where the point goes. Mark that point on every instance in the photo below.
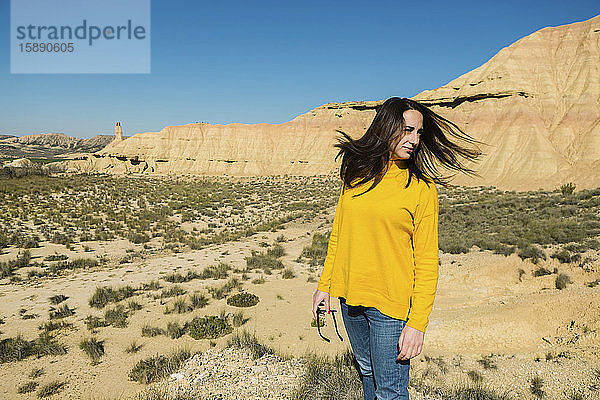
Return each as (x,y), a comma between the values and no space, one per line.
(181,264)
(101,273)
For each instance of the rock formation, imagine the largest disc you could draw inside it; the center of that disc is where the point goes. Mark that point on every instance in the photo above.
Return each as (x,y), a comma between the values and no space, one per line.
(118,132)
(46,145)
(535,103)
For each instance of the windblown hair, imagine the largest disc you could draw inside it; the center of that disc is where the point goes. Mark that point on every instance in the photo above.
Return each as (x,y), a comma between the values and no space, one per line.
(365,158)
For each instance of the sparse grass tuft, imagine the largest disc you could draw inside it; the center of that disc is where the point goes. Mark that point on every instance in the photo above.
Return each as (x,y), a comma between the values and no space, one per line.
(61,312)
(152,331)
(133,347)
(536,387)
(51,388)
(288,273)
(104,295)
(153,369)
(93,348)
(57,299)
(117,316)
(562,281)
(209,327)
(27,387)
(246,340)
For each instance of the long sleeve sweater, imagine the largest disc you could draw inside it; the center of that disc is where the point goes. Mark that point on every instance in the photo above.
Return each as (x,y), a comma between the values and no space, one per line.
(383,247)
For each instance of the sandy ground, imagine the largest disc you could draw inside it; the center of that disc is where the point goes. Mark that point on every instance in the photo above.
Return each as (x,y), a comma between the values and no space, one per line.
(481,309)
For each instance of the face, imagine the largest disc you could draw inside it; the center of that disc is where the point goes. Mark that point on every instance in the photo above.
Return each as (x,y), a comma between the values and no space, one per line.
(407,137)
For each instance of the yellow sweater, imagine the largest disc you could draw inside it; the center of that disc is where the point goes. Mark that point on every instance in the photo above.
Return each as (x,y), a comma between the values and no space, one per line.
(383,247)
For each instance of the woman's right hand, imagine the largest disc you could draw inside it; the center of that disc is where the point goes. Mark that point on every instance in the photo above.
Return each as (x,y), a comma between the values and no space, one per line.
(319,297)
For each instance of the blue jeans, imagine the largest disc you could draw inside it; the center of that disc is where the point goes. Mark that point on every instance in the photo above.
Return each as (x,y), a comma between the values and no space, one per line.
(374,340)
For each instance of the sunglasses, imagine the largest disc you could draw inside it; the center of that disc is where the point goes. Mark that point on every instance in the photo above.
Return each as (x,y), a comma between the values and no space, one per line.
(322,311)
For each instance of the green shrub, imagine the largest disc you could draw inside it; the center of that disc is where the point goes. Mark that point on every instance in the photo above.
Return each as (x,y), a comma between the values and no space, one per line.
(55,325)
(178,278)
(15,349)
(530,251)
(151,331)
(563,256)
(245,340)
(288,273)
(57,299)
(239,319)
(220,292)
(117,316)
(36,373)
(219,271)
(317,251)
(263,261)
(51,388)
(562,281)
(243,300)
(541,271)
(61,312)
(567,188)
(153,369)
(174,290)
(46,345)
(209,327)
(174,330)
(536,387)
(93,348)
(326,378)
(133,347)
(104,295)
(27,387)
(93,322)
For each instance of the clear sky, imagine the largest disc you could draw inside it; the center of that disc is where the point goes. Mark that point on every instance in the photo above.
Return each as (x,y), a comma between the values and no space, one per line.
(269,61)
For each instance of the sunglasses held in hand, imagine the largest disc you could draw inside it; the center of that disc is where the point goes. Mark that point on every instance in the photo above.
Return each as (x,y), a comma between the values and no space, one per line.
(322,311)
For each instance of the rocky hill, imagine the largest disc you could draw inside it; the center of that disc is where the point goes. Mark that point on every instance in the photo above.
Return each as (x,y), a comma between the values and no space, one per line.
(535,103)
(46,145)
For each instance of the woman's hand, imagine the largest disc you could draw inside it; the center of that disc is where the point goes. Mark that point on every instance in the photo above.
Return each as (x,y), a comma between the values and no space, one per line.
(319,297)
(410,343)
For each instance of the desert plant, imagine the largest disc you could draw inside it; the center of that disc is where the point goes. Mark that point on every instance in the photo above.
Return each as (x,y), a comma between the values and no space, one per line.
(567,188)
(487,362)
(536,387)
(93,322)
(246,340)
(36,373)
(104,295)
(243,300)
(57,299)
(93,347)
(174,330)
(209,327)
(475,376)
(51,388)
(239,319)
(27,387)
(541,271)
(133,347)
(117,316)
(151,331)
(562,281)
(530,251)
(288,273)
(154,368)
(61,312)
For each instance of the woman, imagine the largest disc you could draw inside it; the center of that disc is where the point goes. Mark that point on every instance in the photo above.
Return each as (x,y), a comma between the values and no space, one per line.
(382,257)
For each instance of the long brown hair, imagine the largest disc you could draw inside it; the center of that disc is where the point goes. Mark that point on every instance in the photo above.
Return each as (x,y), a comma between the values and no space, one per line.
(366,158)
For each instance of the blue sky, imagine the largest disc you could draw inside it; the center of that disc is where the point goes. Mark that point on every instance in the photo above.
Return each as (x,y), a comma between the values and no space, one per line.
(269,61)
